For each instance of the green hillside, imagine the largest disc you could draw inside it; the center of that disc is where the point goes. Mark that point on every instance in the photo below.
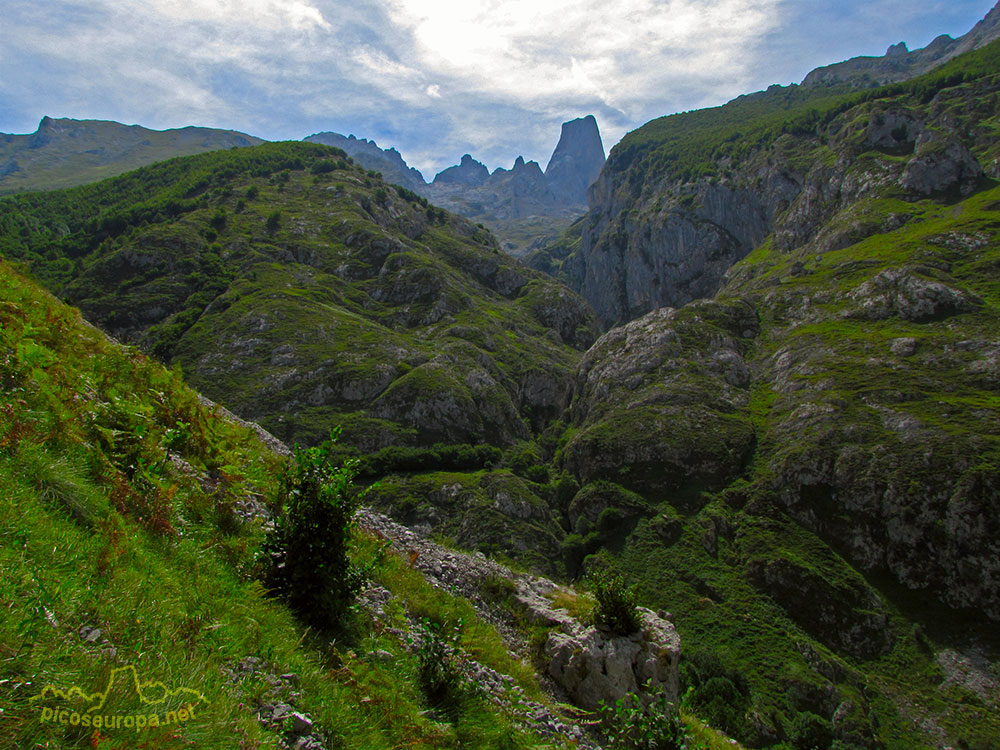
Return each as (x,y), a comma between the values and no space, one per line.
(64,152)
(303,291)
(131,515)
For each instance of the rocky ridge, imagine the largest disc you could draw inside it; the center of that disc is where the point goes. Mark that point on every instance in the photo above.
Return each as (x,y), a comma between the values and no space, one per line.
(525,190)
(585,665)
(366,152)
(651,239)
(900,63)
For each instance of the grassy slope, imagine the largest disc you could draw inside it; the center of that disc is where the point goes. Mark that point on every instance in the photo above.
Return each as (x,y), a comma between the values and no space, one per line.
(64,153)
(216,262)
(118,493)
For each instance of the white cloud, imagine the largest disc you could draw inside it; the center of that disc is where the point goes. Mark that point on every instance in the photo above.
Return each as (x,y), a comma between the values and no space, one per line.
(434,78)
(618,53)
(293,14)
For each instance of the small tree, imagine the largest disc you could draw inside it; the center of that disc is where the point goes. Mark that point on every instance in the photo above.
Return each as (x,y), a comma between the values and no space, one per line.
(306,555)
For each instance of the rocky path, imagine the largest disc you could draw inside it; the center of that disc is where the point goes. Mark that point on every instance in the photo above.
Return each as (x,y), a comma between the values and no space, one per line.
(463,574)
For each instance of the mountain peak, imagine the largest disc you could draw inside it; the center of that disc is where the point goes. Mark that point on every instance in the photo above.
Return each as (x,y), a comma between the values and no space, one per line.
(900,63)
(468,172)
(577,159)
(371,156)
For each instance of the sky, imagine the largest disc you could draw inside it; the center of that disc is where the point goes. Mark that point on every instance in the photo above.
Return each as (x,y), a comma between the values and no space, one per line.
(433,78)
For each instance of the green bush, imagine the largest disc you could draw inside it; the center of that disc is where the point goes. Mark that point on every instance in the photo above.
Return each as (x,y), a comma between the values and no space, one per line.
(807,731)
(306,559)
(323,166)
(438,671)
(634,724)
(717,694)
(616,609)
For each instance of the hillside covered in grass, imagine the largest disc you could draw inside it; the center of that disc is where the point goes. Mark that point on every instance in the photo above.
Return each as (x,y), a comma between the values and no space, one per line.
(62,152)
(303,292)
(131,517)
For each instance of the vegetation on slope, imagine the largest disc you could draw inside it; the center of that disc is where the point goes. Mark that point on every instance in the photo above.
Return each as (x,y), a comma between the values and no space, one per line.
(63,152)
(305,292)
(129,527)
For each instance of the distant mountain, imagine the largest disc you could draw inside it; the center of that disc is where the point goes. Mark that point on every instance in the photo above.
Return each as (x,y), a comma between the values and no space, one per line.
(525,190)
(524,206)
(64,152)
(900,64)
(577,160)
(368,154)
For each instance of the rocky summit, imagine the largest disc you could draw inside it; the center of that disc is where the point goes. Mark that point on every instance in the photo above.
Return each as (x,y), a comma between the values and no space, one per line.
(577,160)
(367,153)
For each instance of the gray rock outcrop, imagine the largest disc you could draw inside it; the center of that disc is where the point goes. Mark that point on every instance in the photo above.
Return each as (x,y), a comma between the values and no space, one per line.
(577,160)
(941,166)
(469,173)
(596,667)
(370,156)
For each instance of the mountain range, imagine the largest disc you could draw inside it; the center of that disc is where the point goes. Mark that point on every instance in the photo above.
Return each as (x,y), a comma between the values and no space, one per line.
(757,378)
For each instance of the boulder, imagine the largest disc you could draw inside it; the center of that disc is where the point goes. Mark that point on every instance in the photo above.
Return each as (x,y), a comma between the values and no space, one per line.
(594,666)
(941,166)
(900,291)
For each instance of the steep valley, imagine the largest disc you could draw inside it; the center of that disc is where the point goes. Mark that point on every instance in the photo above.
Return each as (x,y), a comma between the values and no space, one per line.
(771,401)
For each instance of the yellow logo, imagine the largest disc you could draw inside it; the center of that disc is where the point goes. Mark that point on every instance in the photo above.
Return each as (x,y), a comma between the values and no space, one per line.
(125,703)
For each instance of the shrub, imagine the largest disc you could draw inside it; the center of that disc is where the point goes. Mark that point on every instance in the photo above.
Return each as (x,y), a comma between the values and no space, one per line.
(617,605)
(323,166)
(438,671)
(807,731)
(273,220)
(717,694)
(636,724)
(306,555)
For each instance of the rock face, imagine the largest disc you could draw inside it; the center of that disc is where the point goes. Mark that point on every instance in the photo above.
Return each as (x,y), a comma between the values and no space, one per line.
(368,154)
(577,160)
(595,667)
(900,291)
(653,238)
(661,402)
(941,166)
(524,190)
